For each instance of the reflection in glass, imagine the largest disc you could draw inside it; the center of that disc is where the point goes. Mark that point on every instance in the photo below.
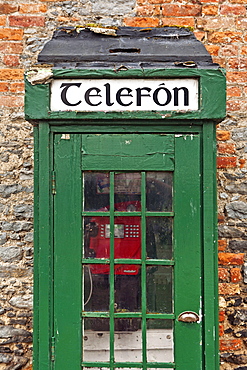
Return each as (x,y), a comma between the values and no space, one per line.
(96,340)
(159,237)
(159,289)
(160,346)
(128,340)
(96,191)
(127,242)
(127,189)
(96,237)
(96,288)
(159,191)
(127,288)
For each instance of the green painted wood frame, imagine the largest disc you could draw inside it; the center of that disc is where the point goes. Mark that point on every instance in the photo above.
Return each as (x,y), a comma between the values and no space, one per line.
(212,110)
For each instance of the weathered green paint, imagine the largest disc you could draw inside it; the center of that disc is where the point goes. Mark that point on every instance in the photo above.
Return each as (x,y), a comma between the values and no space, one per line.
(212,104)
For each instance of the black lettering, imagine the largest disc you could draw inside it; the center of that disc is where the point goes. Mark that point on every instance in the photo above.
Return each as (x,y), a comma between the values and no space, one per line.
(66,86)
(88,95)
(120,94)
(108,95)
(139,94)
(186,95)
(168,96)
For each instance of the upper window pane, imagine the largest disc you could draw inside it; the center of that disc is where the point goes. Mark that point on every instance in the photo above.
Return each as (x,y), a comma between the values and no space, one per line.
(127,189)
(96,191)
(159,191)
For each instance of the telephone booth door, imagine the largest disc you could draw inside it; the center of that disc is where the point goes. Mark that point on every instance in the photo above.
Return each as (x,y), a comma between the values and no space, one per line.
(127,254)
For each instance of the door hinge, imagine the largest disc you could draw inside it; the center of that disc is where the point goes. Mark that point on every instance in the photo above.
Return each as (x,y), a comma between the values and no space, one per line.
(52,348)
(53,183)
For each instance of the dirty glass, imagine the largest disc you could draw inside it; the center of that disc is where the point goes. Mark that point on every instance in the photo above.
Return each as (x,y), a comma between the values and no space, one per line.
(96,339)
(96,237)
(159,289)
(159,191)
(96,287)
(128,340)
(127,191)
(160,346)
(127,238)
(96,191)
(159,237)
(127,287)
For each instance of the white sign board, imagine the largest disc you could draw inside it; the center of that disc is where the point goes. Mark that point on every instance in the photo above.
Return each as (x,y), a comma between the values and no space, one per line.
(91,95)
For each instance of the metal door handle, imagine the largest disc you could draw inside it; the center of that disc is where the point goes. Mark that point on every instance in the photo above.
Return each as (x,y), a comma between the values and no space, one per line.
(188,316)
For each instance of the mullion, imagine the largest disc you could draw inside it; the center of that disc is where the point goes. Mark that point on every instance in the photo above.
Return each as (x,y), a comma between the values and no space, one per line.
(161,365)
(143,270)
(112,268)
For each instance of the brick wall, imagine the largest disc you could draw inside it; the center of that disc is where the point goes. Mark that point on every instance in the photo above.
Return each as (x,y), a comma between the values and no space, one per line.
(24,28)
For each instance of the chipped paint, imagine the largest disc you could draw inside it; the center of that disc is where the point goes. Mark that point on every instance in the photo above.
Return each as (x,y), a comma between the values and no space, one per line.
(39,75)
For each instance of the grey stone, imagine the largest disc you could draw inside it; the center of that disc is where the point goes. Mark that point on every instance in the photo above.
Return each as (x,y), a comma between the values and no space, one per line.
(23,211)
(112,7)
(5,359)
(7,190)
(238,245)
(28,174)
(234,359)
(9,271)
(237,188)
(10,254)
(229,232)
(16,226)
(3,238)
(25,301)
(7,331)
(239,134)
(29,237)
(19,363)
(237,209)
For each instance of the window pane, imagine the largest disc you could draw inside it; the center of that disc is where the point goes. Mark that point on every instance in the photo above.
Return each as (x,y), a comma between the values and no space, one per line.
(159,191)
(96,287)
(159,237)
(127,237)
(96,191)
(127,288)
(96,340)
(160,346)
(96,237)
(127,189)
(159,289)
(128,340)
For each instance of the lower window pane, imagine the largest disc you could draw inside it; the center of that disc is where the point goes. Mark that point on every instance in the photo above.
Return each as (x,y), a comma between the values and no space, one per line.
(96,288)
(160,346)
(96,340)
(128,340)
(160,289)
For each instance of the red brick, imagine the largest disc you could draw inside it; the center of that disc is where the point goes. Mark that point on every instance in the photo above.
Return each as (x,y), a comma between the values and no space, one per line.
(11,47)
(229,289)
(231,92)
(222,316)
(236,275)
(12,101)
(226,162)
(221,330)
(141,22)
(67,19)
(244,50)
(242,162)
(220,61)
(32,8)
(181,22)
(26,21)
(233,63)
(229,50)
(2,20)
(11,60)
(241,23)
(230,345)
(174,10)
(222,245)
(221,218)
(238,63)
(11,74)
(233,105)
(231,258)
(159,1)
(233,10)
(4,87)
(213,49)
(210,10)
(148,10)
(224,148)
(223,135)
(11,34)
(200,35)
(209,23)
(223,274)
(6,8)
(16,87)
(239,77)
(224,37)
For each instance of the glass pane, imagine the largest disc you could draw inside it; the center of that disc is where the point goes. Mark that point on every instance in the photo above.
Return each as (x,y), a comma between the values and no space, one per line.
(96,237)
(96,340)
(127,288)
(159,289)
(159,237)
(160,346)
(159,191)
(96,191)
(127,189)
(128,340)
(96,287)
(127,237)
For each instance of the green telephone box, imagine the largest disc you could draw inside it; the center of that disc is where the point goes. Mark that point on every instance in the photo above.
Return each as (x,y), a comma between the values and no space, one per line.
(125,200)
